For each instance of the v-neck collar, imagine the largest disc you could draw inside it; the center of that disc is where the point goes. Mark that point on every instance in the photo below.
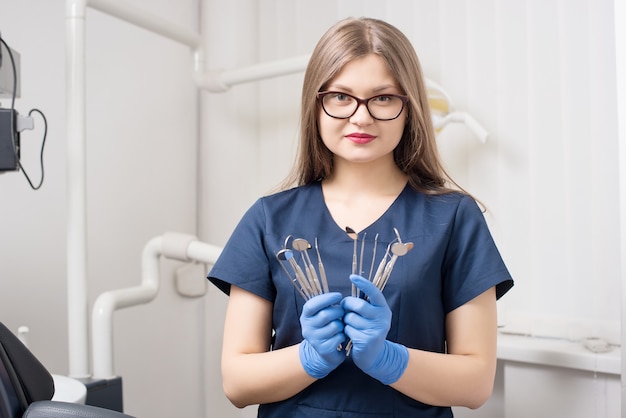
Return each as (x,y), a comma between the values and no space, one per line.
(372,225)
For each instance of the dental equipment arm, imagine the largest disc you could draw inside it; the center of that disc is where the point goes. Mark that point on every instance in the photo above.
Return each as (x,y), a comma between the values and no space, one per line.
(171,245)
(462,117)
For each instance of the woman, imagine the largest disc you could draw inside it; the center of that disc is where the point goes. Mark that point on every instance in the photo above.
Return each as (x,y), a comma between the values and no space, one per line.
(367,165)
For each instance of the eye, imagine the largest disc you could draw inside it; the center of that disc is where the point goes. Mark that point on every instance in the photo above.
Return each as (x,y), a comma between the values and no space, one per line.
(340,97)
(383,99)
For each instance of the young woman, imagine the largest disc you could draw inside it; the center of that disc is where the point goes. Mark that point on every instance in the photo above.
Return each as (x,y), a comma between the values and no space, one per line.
(368,176)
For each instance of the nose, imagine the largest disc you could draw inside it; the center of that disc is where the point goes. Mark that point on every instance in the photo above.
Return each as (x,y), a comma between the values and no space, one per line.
(361,116)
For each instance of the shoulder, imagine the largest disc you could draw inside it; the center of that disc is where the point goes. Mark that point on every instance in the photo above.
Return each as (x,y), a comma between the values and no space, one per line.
(274,212)
(442,198)
(442,205)
(291,198)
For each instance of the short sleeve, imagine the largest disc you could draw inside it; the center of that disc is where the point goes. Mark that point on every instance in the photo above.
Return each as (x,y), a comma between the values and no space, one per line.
(472,262)
(243,261)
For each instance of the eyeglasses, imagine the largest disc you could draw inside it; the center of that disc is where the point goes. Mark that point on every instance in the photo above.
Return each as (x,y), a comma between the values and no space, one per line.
(343,106)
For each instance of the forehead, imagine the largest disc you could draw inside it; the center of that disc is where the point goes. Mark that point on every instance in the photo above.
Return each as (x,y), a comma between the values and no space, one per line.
(365,74)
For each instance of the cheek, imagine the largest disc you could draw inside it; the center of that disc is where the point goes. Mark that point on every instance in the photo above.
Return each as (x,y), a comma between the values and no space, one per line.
(329,128)
(398,131)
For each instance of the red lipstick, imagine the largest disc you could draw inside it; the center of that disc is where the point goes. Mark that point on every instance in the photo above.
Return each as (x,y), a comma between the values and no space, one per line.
(360,138)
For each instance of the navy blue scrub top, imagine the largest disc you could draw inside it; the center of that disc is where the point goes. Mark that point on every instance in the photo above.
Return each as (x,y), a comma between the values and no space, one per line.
(454,259)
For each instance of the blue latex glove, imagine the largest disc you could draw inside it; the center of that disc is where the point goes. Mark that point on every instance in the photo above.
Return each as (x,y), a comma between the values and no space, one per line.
(322,329)
(367,325)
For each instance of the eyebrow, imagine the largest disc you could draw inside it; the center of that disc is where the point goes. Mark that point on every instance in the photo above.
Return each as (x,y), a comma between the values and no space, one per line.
(375,90)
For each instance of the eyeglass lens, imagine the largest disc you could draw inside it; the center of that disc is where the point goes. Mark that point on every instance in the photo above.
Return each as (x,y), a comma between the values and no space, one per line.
(382,107)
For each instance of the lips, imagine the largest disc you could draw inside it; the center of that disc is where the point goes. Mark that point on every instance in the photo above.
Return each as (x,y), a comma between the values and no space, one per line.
(360,138)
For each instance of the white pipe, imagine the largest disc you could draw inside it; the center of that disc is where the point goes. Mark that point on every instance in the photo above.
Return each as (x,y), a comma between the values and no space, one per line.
(174,246)
(108,302)
(149,21)
(78,329)
(203,253)
(76,191)
(223,80)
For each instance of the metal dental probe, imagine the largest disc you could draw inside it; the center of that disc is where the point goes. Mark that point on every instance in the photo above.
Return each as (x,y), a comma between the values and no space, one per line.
(395,230)
(358,291)
(299,273)
(369,277)
(281,259)
(354,236)
(381,267)
(320,266)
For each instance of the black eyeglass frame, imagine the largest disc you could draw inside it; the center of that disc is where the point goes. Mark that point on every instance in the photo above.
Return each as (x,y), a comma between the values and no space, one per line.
(359,102)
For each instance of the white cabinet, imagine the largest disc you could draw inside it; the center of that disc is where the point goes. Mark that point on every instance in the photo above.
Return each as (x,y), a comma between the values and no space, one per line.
(546,378)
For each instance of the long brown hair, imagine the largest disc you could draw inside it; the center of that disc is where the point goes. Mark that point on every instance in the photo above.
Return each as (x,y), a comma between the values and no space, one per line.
(416,154)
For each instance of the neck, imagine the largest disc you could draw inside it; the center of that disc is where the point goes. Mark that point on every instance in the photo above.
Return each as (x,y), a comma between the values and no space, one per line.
(358,194)
(352,179)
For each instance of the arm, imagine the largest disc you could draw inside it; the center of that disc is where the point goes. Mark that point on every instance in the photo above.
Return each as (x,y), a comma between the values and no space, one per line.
(464,376)
(251,373)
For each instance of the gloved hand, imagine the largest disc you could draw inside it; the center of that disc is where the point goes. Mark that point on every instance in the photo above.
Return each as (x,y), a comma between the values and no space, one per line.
(322,329)
(367,325)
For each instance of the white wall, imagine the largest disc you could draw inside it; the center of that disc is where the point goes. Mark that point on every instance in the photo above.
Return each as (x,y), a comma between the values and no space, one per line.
(620,50)
(141,182)
(539,75)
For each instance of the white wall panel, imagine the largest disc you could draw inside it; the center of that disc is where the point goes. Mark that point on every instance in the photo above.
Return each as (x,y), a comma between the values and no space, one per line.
(141,181)
(141,175)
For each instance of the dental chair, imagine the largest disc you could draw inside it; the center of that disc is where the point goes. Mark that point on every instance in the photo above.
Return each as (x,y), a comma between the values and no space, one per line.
(26,387)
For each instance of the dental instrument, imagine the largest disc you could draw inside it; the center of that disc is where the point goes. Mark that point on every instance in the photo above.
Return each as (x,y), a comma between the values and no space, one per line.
(299,273)
(302,245)
(383,272)
(309,284)
(302,283)
(397,250)
(320,266)
(358,291)
(355,237)
(281,258)
(369,276)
